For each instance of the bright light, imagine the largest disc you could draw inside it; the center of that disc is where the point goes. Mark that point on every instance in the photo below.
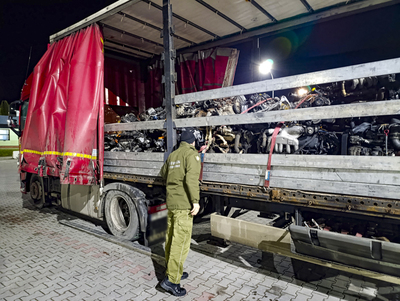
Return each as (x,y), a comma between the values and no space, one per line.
(265,67)
(302,92)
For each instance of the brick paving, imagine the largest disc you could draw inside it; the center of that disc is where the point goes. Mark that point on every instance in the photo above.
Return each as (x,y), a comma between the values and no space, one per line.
(42,259)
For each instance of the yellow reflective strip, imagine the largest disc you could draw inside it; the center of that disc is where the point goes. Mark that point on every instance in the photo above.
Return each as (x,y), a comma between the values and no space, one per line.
(31,151)
(80,155)
(60,154)
(52,153)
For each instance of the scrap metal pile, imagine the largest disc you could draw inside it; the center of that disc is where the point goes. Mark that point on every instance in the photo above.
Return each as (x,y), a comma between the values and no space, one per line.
(373,136)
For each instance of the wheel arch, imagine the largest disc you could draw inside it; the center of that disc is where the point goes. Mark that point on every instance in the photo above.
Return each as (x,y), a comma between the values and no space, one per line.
(138,197)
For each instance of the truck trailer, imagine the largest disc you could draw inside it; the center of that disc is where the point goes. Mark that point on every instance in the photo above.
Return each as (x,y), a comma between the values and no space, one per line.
(324,160)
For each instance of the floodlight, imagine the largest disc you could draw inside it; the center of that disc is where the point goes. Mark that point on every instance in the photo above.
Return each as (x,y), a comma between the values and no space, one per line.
(266,66)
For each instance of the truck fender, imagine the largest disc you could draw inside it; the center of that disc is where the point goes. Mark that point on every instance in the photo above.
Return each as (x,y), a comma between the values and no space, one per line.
(138,197)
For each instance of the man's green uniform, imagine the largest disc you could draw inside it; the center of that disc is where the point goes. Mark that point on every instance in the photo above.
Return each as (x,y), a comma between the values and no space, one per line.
(181,172)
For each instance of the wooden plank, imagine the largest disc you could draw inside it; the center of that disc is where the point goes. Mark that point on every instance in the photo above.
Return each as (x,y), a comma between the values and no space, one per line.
(328,174)
(308,79)
(375,108)
(323,186)
(134,126)
(155,157)
(316,161)
(136,164)
(241,179)
(133,171)
(339,175)
(361,189)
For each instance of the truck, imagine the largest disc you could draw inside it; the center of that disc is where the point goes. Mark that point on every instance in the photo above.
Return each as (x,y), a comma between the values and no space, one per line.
(323,159)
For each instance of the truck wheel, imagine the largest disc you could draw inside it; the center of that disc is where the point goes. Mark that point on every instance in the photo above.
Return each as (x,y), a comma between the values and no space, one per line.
(121,215)
(36,192)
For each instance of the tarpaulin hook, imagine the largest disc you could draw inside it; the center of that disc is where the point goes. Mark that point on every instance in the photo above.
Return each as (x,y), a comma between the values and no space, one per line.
(149,4)
(122,17)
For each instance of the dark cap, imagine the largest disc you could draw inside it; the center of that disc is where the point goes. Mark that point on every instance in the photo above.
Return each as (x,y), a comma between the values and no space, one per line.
(187,136)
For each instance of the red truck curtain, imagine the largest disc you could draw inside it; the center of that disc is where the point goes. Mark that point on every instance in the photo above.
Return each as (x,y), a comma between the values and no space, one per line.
(206,70)
(123,81)
(154,91)
(63,123)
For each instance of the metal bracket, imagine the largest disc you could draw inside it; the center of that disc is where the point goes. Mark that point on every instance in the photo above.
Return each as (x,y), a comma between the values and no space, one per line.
(376,249)
(313,234)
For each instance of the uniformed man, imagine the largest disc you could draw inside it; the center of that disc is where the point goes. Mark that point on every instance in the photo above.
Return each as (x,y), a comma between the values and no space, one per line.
(181,172)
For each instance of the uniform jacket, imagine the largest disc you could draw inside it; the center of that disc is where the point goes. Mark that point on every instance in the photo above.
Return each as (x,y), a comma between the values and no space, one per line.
(181,173)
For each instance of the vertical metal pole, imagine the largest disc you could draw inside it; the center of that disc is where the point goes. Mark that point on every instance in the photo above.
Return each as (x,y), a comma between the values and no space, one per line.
(169,75)
(298,217)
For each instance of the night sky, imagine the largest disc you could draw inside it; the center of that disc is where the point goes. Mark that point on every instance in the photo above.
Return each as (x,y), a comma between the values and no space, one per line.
(363,38)
(29,23)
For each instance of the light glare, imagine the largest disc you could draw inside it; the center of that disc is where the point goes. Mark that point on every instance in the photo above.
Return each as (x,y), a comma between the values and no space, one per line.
(265,67)
(302,92)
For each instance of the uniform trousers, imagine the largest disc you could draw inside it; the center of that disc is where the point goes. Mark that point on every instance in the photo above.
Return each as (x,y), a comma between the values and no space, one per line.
(177,243)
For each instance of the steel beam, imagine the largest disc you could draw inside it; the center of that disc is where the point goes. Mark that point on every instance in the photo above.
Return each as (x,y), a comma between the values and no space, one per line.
(125,15)
(217,12)
(130,47)
(96,17)
(307,5)
(215,36)
(169,75)
(261,9)
(271,28)
(126,52)
(131,35)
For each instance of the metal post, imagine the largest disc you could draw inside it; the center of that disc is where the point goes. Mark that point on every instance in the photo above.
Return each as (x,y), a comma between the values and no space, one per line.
(169,75)
(298,217)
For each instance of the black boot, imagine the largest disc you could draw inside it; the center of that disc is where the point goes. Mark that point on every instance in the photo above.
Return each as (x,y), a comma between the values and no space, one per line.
(174,289)
(184,276)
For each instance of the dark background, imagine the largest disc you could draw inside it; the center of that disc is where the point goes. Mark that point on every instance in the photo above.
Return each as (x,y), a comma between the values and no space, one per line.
(26,23)
(366,37)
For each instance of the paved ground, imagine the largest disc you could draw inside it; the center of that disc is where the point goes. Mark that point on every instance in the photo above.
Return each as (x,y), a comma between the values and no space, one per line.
(43,259)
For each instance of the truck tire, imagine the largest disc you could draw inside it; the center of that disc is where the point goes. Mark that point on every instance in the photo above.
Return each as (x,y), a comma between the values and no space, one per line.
(121,215)
(36,191)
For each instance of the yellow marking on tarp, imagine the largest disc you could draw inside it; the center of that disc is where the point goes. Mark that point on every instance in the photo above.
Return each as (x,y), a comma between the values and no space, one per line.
(69,154)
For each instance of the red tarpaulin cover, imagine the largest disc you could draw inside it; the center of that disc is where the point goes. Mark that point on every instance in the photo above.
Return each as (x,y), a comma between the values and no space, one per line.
(206,70)
(124,80)
(65,115)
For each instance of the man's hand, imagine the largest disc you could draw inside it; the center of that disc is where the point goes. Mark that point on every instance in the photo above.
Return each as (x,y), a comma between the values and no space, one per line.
(195,210)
